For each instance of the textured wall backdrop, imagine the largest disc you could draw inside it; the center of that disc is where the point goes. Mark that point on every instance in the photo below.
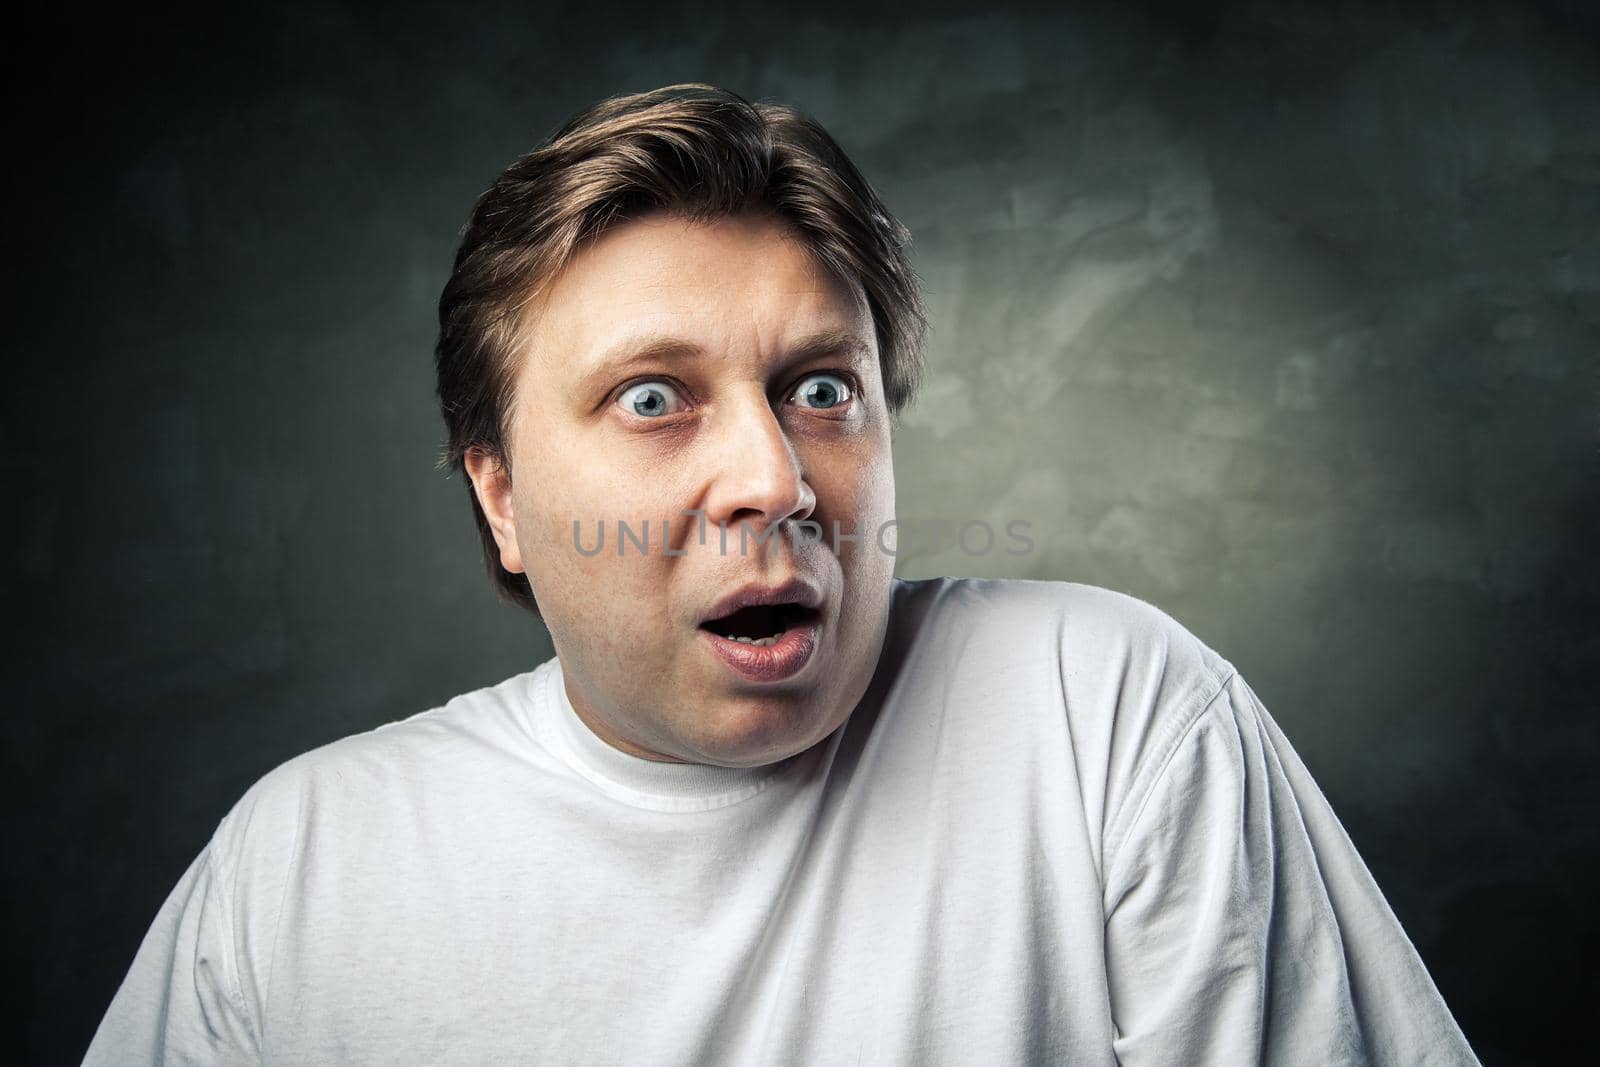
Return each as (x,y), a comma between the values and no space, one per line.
(1285,321)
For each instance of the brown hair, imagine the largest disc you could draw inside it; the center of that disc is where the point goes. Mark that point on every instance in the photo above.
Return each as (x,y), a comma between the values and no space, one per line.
(691,149)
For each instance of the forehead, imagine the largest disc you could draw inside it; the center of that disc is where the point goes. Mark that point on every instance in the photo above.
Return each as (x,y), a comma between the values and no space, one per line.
(744,285)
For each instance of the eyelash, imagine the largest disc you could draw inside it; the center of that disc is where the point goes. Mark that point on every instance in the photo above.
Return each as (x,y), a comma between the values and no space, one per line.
(684,391)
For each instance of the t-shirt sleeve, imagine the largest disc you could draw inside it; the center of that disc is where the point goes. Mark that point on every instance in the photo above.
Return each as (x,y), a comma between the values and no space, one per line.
(1243,927)
(181,1000)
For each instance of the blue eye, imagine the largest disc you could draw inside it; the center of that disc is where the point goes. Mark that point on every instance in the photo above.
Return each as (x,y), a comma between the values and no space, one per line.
(651,399)
(823,392)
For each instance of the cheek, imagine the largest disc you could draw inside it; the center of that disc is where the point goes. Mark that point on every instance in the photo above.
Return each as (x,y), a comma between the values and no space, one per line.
(866,485)
(860,497)
(570,525)
(877,489)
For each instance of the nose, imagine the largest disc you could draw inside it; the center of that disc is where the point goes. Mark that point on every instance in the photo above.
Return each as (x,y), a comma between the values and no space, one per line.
(757,476)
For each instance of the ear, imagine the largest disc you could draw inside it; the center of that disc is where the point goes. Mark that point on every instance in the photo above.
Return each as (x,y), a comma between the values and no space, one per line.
(491,481)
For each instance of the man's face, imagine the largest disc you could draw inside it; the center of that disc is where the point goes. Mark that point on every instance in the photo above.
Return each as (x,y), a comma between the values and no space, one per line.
(678,367)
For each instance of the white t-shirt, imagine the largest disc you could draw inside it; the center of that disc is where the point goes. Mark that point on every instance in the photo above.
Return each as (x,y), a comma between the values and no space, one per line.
(1058,829)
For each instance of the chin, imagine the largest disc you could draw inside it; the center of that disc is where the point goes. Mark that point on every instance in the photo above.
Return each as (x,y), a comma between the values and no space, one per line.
(753,733)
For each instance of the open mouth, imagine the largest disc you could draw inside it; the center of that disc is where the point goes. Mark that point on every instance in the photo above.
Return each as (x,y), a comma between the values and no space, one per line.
(761,625)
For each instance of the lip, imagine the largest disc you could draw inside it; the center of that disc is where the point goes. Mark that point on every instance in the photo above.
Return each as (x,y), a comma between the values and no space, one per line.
(794,591)
(789,655)
(772,663)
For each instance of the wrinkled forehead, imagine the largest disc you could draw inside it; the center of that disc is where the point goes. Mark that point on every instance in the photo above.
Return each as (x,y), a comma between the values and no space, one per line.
(744,288)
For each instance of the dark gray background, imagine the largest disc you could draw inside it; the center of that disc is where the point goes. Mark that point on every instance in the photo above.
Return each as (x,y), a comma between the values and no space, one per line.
(1283,319)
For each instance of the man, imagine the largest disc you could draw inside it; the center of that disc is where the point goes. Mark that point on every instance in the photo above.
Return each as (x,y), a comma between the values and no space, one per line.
(767,804)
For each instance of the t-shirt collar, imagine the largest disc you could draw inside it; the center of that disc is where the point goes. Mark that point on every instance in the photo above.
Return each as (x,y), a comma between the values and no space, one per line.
(655,784)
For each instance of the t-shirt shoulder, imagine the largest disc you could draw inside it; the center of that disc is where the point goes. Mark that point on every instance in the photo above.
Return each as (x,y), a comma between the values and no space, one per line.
(1125,678)
(1099,633)
(470,735)
(1088,604)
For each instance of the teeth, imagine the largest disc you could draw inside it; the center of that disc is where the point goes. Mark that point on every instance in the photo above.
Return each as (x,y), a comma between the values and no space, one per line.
(759,642)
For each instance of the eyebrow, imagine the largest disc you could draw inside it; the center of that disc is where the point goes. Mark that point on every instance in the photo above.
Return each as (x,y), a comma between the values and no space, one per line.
(653,348)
